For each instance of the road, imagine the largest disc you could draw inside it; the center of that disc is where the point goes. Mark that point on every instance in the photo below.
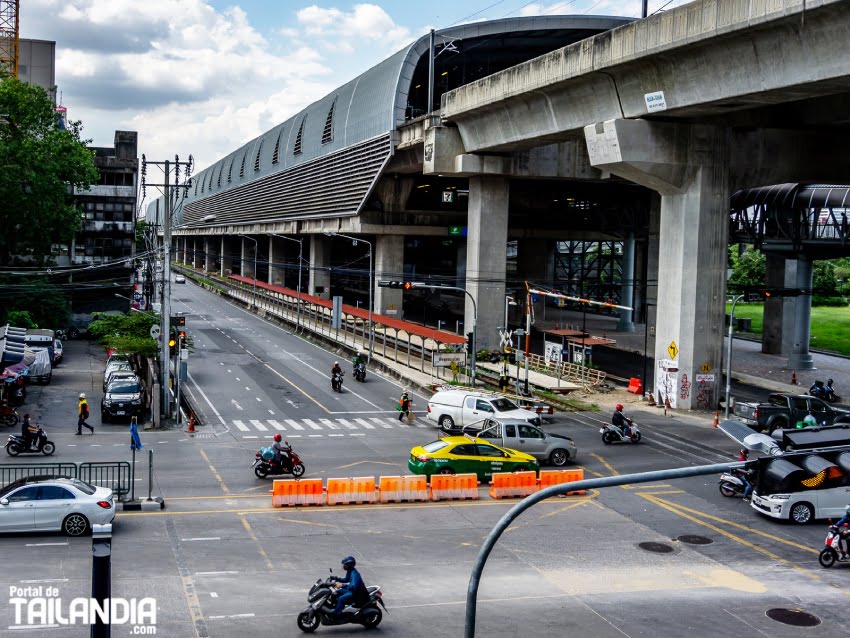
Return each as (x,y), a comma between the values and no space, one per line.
(221,562)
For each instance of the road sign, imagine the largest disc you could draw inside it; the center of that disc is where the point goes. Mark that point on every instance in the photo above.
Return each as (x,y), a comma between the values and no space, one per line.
(705,368)
(708,378)
(673,350)
(155,332)
(445,359)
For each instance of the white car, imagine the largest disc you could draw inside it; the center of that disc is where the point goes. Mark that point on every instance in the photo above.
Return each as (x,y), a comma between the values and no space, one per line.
(51,504)
(179,279)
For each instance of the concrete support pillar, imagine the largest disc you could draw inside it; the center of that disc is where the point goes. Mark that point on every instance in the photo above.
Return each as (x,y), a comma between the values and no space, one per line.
(198,252)
(778,333)
(689,167)
(652,249)
(248,258)
(226,256)
(486,243)
(277,261)
(799,358)
(389,264)
(536,263)
(627,293)
(320,274)
(209,255)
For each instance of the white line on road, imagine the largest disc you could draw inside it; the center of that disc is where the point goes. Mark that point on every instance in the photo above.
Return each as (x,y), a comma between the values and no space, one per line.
(259,425)
(294,424)
(365,424)
(329,424)
(213,594)
(201,538)
(312,424)
(357,434)
(276,425)
(347,424)
(241,426)
(209,403)
(214,573)
(315,436)
(271,412)
(336,435)
(258,399)
(383,424)
(247,388)
(233,401)
(250,437)
(45,544)
(49,626)
(45,580)
(230,616)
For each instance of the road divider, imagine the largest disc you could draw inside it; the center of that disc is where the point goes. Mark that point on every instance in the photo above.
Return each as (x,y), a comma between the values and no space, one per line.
(556,477)
(513,484)
(445,487)
(298,492)
(344,491)
(402,489)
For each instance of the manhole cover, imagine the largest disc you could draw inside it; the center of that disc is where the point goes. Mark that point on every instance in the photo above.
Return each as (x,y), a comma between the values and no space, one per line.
(658,548)
(693,539)
(795,617)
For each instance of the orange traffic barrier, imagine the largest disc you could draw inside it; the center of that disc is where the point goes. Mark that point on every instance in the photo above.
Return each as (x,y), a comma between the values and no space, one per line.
(398,489)
(445,487)
(297,492)
(635,386)
(360,489)
(510,484)
(556,477)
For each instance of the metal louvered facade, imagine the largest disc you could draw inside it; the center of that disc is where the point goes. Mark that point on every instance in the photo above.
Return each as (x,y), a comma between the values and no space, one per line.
(333,185)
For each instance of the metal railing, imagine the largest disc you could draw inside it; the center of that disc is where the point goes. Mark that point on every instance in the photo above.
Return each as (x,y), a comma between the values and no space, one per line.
(13,471)
(116,475)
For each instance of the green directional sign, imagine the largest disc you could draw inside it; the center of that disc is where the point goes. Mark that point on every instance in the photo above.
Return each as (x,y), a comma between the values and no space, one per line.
(457,231)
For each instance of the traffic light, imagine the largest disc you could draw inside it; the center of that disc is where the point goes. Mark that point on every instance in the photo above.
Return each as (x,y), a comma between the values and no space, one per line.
(172,346)
(182,340)
(781,292)
(469,336)
(402,285)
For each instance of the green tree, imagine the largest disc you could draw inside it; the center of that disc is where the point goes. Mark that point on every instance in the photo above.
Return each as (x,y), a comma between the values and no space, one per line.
(39,163)
(748,269)
(824,281)
(126,333)
(44,302)
(20,319)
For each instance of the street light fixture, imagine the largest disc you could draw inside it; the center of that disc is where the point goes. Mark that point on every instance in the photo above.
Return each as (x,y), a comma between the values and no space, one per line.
(331,233)
(300,242)
(256,248)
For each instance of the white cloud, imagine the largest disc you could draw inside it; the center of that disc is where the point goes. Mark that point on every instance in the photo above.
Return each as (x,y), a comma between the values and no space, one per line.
(625,8)
(364,22)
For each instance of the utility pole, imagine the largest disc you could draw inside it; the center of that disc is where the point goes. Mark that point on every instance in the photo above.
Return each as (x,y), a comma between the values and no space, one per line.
(169,192)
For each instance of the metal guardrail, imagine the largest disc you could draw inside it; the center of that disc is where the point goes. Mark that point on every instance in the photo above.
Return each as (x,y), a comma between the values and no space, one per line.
(116,475)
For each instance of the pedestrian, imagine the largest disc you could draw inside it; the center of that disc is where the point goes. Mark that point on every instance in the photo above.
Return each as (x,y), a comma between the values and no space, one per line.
(404,405)
(503,383)
(83,414)
(454,369)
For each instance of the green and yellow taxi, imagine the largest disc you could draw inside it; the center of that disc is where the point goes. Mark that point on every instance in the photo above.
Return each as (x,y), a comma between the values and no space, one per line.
(462,455)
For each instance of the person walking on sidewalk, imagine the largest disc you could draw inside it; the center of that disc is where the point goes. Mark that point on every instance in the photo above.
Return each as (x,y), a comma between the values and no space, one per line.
(404,405)
(83,414)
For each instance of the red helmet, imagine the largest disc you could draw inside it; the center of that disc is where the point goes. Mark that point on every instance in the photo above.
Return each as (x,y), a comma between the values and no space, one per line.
(619,407)
(278,437)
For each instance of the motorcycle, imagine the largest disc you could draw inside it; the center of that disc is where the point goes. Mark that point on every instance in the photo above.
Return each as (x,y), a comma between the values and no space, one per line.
(825,392)
(336,381)
(731,484)
(322,600)
(360,372)
(15,445)
(264,464)
(831,552)
(8,415)
(612,434)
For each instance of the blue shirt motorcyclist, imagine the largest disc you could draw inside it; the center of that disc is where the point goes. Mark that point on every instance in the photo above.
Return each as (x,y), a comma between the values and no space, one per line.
(355,589)
(618,419)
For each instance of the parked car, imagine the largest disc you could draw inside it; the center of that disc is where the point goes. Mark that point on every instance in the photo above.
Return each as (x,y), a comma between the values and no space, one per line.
(455,409)
(37,338)
(783,411)
(179,279)
(41,370)
(58,352)
(115,375)
(555,449)
(114,366)
(122,398)
(461,455)
(49,503)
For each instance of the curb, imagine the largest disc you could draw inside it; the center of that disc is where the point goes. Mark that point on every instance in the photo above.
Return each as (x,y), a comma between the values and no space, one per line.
(144,506)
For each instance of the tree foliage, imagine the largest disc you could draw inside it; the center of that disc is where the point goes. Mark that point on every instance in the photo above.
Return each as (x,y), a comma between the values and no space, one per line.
(126,333)
(20,319)
(39,163)
(45,303)
(748,269)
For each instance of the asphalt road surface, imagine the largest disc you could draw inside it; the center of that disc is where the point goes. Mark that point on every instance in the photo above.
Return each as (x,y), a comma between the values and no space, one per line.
(222,562)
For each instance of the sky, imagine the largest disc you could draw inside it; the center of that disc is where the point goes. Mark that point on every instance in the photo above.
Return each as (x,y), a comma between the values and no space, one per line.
(204,77)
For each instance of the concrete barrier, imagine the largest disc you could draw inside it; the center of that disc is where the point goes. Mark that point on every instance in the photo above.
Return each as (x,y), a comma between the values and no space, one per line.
(513,484)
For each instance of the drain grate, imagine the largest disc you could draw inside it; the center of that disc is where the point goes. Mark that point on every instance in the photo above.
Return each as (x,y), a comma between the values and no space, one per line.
(693,539)
(657,548)
(794,617)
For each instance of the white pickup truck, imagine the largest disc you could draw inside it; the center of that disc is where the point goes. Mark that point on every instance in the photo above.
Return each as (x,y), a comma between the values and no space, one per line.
(454,409)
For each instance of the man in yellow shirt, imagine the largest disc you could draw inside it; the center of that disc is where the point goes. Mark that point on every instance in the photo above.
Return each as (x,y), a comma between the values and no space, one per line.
(83,414)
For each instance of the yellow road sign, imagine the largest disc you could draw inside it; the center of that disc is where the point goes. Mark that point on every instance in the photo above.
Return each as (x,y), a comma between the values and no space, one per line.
(705,368)
(673,350)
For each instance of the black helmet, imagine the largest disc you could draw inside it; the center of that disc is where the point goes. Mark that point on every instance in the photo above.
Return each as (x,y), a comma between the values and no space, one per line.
(348,563)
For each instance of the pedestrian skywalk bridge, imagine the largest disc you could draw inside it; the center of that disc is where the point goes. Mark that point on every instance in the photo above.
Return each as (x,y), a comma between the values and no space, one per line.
(317,428)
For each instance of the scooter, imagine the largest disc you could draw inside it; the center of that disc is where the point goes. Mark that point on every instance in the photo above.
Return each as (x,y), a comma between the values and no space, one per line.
(360,372)
(731,484)
(612,434)
(825,392)
(264,464)
(15,445)
(322,598)
(831,552)
(336,381)
(8,415)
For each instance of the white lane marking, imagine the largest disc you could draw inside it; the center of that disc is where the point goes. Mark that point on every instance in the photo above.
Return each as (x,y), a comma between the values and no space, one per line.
(329,424)
(247,388)
(258,399)
(250,437)
(214,573)
(96,445)
(238,379)
(315,436)
(238,407)
(294,424)
(259,425)
(336,435)
(276,425)
(201,538)
(271,412)
(365,424)
(209,403)
(241,426)
(46,544)
(45,580)
(213,594)
(380,422)
(229,370)
(347,424)
(357,434)
(230,616)
(294,436)
(46,626)
(311,424)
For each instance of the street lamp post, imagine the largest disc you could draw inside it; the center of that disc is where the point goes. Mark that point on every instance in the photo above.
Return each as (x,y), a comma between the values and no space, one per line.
(729,355)
(300,242)
(256,248)
(371,284)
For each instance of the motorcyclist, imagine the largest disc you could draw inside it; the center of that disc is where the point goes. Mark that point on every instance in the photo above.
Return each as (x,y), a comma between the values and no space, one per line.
(29,432)
(843,532)
(335,370)
(809,421)
(281,456)
(358,359)
(618,419)
(744,474)
(355,589)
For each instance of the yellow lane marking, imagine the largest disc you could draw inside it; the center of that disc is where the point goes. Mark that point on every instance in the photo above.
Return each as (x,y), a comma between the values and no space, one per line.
(672,508)
(344,467)
(208,498)
(295,520)
(254,538)
(564,509)
(296,387)
(644,486)
(194,605)
(589,471)
(607,465)
(215,473)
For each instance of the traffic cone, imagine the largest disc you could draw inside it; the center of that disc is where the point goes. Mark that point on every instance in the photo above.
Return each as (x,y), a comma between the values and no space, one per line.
(794,377)
(191,429)
(667,406)
(716,419)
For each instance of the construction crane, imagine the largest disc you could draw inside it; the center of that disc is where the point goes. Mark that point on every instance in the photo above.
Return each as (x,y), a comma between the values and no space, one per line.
(9,27)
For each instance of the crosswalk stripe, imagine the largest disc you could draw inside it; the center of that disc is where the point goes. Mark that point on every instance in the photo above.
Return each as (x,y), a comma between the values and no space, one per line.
(378,421)
(311,424)
(365,424)
(329,424)
(241,426)
(347,424)
(259,425)
(294,424)
(276,425)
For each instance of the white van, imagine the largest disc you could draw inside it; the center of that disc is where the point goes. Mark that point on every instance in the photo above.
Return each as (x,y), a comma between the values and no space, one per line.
(454,409)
